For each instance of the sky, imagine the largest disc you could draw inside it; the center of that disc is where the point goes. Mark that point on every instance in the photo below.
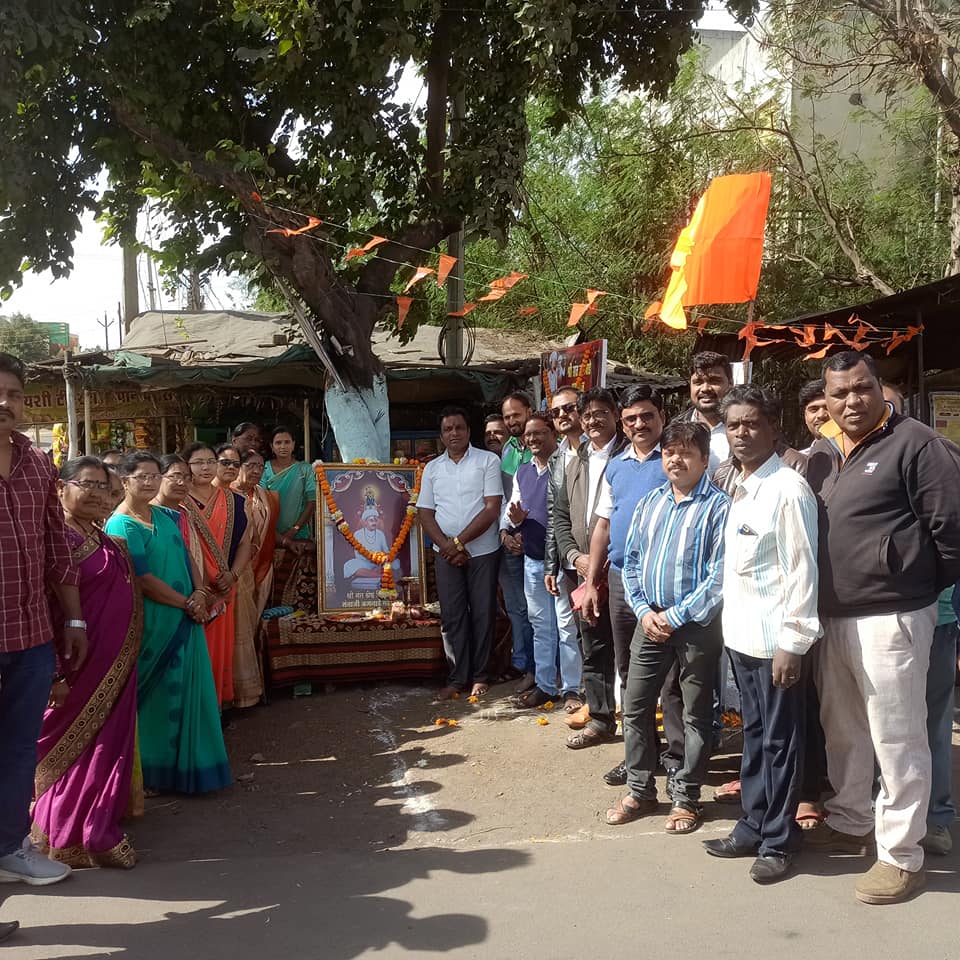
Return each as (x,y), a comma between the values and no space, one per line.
(95,286)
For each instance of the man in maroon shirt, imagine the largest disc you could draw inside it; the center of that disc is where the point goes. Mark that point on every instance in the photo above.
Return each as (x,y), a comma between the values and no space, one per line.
(34,557)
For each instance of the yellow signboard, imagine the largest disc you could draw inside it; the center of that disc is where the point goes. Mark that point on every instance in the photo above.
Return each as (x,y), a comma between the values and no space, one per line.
(48,404)
(945,408)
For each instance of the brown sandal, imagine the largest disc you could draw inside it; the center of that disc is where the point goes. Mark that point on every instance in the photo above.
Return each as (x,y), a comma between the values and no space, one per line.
(627,813)
(572,702)
(587,737)
(684,817)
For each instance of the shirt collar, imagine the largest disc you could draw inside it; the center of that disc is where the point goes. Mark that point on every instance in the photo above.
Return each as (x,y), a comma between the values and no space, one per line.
(699,492)
(446,453)
(603,451)
(631,454)
(750,485)
(832,431)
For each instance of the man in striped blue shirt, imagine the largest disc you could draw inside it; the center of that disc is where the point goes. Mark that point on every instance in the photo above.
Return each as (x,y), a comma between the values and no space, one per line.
(672,571)
(770,622)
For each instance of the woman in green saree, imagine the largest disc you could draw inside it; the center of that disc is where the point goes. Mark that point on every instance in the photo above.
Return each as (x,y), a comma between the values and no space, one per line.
(296,485)
(181,742)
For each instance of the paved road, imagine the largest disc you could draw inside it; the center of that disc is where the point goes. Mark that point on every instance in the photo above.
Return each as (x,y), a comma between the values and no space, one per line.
(514,863)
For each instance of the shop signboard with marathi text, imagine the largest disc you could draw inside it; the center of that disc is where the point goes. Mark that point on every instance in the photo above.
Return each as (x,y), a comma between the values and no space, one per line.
(581,367)
(945,415)
(370,549)
(47,403)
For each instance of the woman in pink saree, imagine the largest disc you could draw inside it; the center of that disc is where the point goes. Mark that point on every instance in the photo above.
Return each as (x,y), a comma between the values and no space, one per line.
(86,746)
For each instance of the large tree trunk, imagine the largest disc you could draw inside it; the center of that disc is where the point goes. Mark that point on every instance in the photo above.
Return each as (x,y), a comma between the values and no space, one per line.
(360,418)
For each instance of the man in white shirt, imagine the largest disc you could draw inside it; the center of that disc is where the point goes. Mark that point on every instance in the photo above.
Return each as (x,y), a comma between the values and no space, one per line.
(459,508)
(770,584)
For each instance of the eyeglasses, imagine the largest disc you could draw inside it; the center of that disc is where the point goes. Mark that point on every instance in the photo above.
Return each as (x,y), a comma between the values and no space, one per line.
(562,408)
(177,477)
(235,464)
(145,477)
(209,462)
(89,485)
(595,415)
(638,418)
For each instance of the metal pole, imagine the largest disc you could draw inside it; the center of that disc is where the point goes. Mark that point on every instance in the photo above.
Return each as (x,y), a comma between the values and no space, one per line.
(306,431)
(923,414)
(87,425)
(453,342)
(73,442)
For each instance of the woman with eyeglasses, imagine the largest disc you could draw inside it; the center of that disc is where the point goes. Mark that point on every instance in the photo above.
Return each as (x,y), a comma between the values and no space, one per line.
(181,743)
(218,525)
(263,509)
(86,747)
(296,485)
(247,672)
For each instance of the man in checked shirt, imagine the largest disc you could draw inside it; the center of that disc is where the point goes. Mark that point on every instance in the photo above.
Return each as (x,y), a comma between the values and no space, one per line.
(34,556)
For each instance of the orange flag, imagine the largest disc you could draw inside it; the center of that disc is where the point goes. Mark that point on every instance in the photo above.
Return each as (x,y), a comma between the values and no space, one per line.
(527,311)
(653,310)
(593,294)
(403,308)
(312,224)
(467,307)
(577,310)
(447,263)
(493,295)
(505,283)
(829,332)
(819,354)
(418,276)
(718,254)
(366,248)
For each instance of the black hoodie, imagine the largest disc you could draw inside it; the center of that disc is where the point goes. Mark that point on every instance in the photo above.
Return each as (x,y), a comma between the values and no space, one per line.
(889,520)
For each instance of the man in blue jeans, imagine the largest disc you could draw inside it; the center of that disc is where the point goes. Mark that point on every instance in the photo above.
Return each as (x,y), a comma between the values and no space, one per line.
(34,556)
(516,408)
(526,514)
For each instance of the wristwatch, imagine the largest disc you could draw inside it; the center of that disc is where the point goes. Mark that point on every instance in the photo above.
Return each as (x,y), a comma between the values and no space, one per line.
(460,547)
(76,624)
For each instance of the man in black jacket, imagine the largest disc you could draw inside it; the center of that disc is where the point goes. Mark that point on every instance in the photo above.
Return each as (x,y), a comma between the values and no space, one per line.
(889,542)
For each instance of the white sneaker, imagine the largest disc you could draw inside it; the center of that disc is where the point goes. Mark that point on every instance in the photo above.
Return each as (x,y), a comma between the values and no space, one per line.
(937,840)
(29,865)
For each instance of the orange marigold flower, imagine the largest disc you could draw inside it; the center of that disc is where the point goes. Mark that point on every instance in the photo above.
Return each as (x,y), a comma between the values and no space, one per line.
(543,721)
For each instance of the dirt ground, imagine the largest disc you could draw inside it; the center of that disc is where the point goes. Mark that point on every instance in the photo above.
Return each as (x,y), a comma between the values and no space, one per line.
(359,827)
(368,767)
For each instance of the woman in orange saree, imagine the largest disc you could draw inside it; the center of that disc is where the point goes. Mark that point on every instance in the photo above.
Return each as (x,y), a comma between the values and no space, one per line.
(263,510)
(219,526)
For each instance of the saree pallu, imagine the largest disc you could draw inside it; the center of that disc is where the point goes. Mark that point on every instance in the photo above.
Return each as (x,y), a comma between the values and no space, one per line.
(218,527)
(247,671)
(263,507)
(180,738)
(296,486)
(86,747)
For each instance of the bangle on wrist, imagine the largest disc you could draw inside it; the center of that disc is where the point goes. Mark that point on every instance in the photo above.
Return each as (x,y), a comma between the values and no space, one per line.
(76,624)
(59,678)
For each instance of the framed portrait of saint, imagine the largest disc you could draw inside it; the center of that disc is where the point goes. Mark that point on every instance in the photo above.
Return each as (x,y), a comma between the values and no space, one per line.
(373,499)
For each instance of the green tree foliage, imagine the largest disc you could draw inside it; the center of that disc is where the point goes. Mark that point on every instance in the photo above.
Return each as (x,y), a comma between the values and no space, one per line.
(603,203)
(24,338)
(228,114)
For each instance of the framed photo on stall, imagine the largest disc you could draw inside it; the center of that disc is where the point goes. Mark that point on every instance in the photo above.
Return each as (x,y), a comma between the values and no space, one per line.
(373,499)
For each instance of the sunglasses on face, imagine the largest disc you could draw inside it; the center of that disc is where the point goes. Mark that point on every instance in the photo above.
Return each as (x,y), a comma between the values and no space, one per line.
(567,408)
(234,464)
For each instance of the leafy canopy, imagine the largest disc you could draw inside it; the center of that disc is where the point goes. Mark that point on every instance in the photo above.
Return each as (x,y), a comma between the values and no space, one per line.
(196,104)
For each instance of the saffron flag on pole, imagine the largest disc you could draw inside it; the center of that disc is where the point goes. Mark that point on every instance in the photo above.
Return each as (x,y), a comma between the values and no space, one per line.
(718,254)
(447,263)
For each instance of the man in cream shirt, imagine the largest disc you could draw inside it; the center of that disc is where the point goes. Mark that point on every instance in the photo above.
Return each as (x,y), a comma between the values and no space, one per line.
(770,621)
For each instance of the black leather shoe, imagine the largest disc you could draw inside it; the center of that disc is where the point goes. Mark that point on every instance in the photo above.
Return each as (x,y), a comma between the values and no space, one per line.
(617,777)
(770,868)
(728,848)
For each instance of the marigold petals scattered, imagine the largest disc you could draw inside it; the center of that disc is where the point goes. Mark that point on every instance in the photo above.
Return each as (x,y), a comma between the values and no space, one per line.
(440,722)
(542,721)
(549,705)
(473,699)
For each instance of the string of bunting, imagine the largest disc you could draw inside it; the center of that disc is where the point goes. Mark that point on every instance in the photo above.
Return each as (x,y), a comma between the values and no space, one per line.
(804,337)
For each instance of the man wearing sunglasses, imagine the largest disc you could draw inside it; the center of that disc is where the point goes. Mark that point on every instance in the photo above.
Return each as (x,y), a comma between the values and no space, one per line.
(574,521)
(629,478)
(35,555)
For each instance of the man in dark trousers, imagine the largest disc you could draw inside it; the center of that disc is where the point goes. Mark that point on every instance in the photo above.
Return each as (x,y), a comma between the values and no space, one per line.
(573,522)
(459,506)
